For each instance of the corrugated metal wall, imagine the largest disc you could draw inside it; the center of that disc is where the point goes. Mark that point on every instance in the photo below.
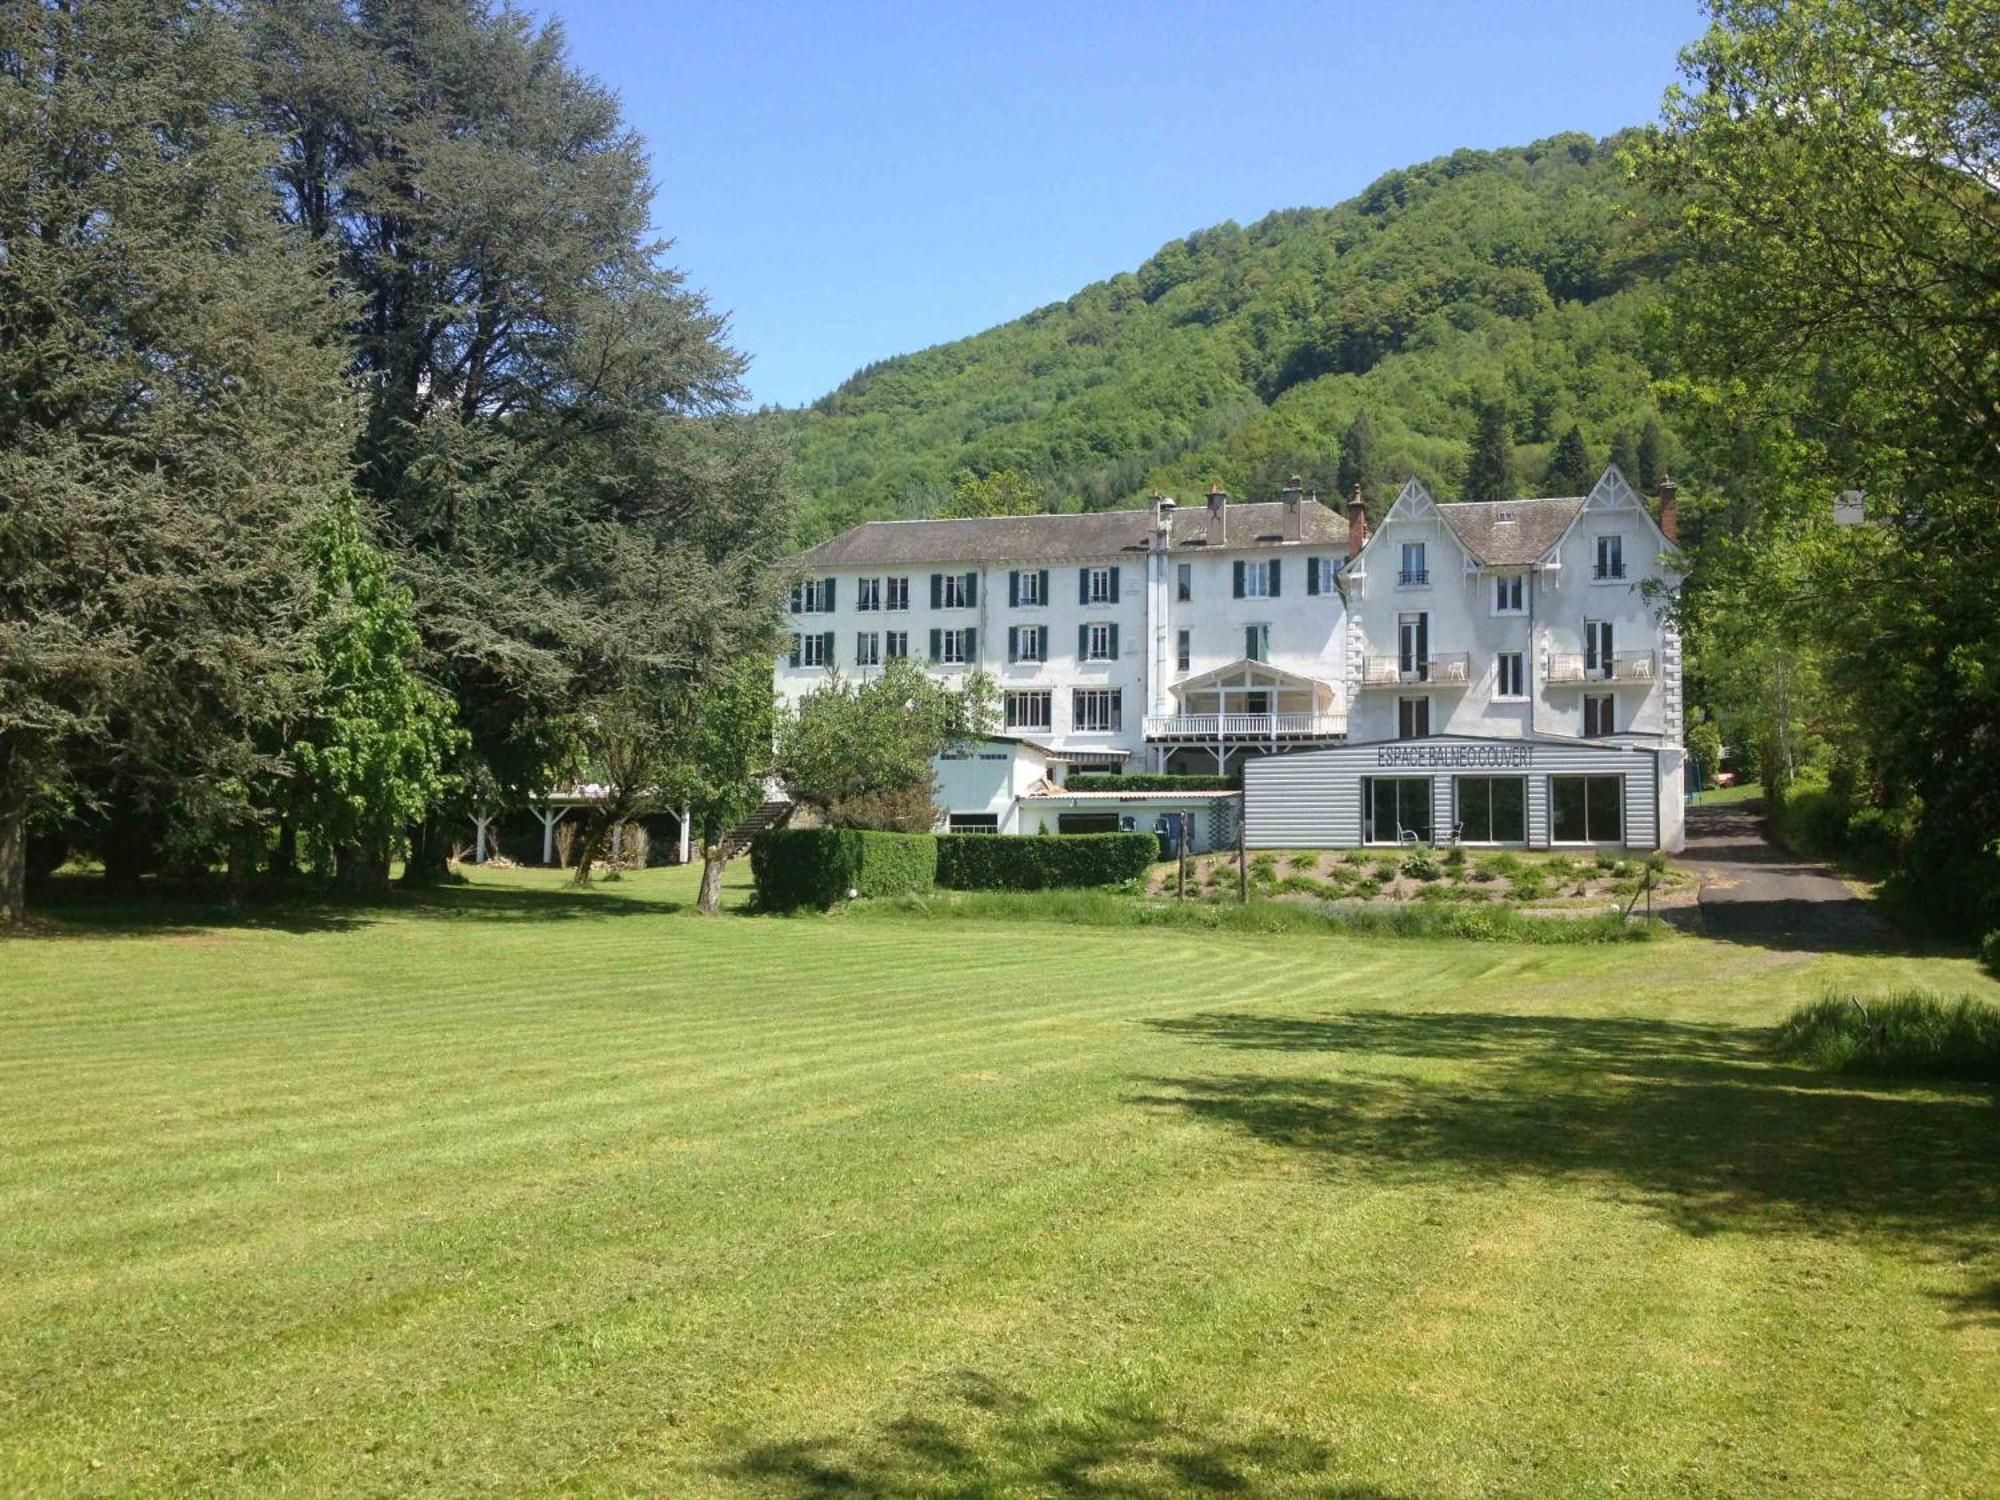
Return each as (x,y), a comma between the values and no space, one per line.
(1312,798)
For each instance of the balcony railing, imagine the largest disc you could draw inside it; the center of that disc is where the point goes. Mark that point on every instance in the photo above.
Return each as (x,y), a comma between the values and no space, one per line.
(1620,666)
(1413,577)
(1439,669)
(1214,727)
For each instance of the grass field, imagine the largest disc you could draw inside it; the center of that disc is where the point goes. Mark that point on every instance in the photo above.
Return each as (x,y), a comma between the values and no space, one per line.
(507,1191)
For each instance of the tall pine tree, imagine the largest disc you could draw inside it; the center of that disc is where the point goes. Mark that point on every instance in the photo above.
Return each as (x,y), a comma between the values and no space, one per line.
(1489,465)
(1570,472)
(1360,459)
(174,425)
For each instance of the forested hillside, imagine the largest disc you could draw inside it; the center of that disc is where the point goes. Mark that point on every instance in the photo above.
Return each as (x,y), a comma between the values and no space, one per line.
(1517,276)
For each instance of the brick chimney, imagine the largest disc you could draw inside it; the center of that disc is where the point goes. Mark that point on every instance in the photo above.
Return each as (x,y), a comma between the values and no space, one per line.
(1670,521)
(1357,525)
(1294,497)
(1218,516)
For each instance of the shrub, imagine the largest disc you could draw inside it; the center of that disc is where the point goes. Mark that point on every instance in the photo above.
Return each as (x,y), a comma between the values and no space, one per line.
(995,862)
(1912,1035)
(1809,815)
(1145,781)
(1454,857)
(1420,866)
(795,867)
(1525,887)
(1989,952)
(1878,838)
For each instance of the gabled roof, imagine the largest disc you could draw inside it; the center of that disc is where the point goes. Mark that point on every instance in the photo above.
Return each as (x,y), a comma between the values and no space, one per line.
(1068,538)
(1511,533)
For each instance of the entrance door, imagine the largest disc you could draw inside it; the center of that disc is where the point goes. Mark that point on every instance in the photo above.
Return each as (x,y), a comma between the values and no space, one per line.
(1393,806)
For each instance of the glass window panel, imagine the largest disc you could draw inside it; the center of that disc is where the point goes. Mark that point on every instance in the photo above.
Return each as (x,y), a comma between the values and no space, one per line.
(1604,810)
(1510,809)
(1566,796)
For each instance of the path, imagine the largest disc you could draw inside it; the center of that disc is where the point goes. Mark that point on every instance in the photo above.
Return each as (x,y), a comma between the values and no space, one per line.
(1752,891)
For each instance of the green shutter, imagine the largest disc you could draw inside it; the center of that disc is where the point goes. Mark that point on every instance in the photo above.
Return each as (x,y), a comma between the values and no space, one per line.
(795,648)
(1083,643)
(1014,588)
(1274,577)
(1013,643)
(826,647)
(1239,577)
(971,590)
(1043,593)
(971,647)
(1312,575)
(937,597)
(797,599)
(1083,585)
(826,595)
(1115,595)
(1114,629)
(937,643)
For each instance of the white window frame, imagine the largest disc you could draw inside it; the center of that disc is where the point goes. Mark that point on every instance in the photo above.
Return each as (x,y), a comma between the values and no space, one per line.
(1183,650)
(896,645)
(812,650)
(1605,707)
(1610,548)
(1030,589)
(1096,710)
(1257,579)
(1097,586)
(1520,661)
(1184,583)
(1029,643)
(868,595)
(951,648)
(867,648)
(1097,641)
(1263,629)
(951,593)
(1414,701)
(897,592)
(1514,585)
(1043,697)
(811,597)
(1418,577)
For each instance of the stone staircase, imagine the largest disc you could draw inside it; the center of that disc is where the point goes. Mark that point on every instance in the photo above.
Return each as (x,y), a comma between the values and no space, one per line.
(774,812)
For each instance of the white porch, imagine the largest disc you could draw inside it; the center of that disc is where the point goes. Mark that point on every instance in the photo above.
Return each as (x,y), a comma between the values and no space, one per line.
(1247,706)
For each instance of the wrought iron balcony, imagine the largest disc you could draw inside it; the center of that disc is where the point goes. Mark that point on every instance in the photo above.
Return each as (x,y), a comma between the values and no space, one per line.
(1439,669)
(1620,666)
(1211,728)
(1413,577)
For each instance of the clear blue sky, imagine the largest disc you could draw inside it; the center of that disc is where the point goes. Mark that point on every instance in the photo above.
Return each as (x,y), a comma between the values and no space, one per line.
(851,180)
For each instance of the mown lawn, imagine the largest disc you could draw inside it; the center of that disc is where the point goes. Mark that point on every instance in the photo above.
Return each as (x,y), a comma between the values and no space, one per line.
(506,1192)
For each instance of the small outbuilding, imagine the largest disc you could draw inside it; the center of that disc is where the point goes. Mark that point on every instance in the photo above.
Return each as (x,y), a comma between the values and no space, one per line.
(1531,793)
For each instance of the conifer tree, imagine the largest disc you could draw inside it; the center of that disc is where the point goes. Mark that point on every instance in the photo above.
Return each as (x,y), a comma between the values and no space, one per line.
(1360,460)
(175,421)
(1651,457)
(1489,465)
(1625,454)
(1570,472)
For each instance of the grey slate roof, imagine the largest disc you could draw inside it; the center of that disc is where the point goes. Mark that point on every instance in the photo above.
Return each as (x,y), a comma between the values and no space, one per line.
(1064,538)
(1537,525)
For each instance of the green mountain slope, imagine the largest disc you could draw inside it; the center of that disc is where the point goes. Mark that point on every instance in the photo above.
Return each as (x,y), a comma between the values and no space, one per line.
(1241,354)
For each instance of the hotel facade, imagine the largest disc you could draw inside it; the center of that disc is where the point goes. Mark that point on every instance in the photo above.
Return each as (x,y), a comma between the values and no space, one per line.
(1304,649)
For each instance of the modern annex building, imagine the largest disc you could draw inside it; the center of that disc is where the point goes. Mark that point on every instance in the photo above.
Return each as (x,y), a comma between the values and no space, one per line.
(1293,644)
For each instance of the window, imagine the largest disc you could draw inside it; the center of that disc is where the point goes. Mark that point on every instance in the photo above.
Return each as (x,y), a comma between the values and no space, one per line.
(1588,809)
(1028,590)
(1413,647)
(1098,642)
(1028,643)
(1414,571)
(1597,648)
(898,590)
(954,590)
(813,597)
(815,650)
(974,822)
(1610,557)
(1027,711)
(895,645)
(1096,710)
(1510,678)
(1413,718)
(867,594)
(1257,580)
(952,648)
(1097,585)
(1319,575)
(1493,809)
(1392,806)
(1510,595)
(1257,642)
(1183,650)
(1597,717)
(1184,582)
(867,649)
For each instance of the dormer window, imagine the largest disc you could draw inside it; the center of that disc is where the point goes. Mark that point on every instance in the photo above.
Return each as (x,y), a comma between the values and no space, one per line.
(1505,517)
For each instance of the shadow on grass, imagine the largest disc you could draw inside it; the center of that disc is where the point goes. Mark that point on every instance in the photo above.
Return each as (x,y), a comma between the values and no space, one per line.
(79,907)
(977,1438)
(1691,1120)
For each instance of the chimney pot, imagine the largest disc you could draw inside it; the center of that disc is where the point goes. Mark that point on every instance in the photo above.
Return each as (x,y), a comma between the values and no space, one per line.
(1218,512)
(1294,495)
(1670,521)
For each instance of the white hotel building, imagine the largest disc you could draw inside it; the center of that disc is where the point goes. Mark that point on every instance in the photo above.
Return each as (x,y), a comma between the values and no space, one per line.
(1323,660)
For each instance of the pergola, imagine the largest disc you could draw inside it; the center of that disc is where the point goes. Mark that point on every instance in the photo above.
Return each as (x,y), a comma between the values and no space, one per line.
(1234,688)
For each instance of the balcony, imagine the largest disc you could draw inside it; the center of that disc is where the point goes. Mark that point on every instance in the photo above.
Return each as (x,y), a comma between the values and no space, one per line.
(1214,728)
(1620,666)
(1440,669)
(1412,578)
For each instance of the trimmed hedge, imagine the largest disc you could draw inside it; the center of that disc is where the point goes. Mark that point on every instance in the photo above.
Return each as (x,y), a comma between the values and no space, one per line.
(795,867)
(1141,781)
(1000,862)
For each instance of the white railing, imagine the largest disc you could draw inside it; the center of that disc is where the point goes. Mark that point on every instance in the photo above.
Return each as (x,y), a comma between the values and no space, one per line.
(1244,726)
(1451,667)
(1621,666)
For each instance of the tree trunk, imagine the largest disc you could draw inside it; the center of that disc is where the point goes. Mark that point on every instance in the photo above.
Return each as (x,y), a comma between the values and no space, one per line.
(594,829)
(242,856)
(430,852)
(285,857)
(362,871)
(712,865)
(13,865)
